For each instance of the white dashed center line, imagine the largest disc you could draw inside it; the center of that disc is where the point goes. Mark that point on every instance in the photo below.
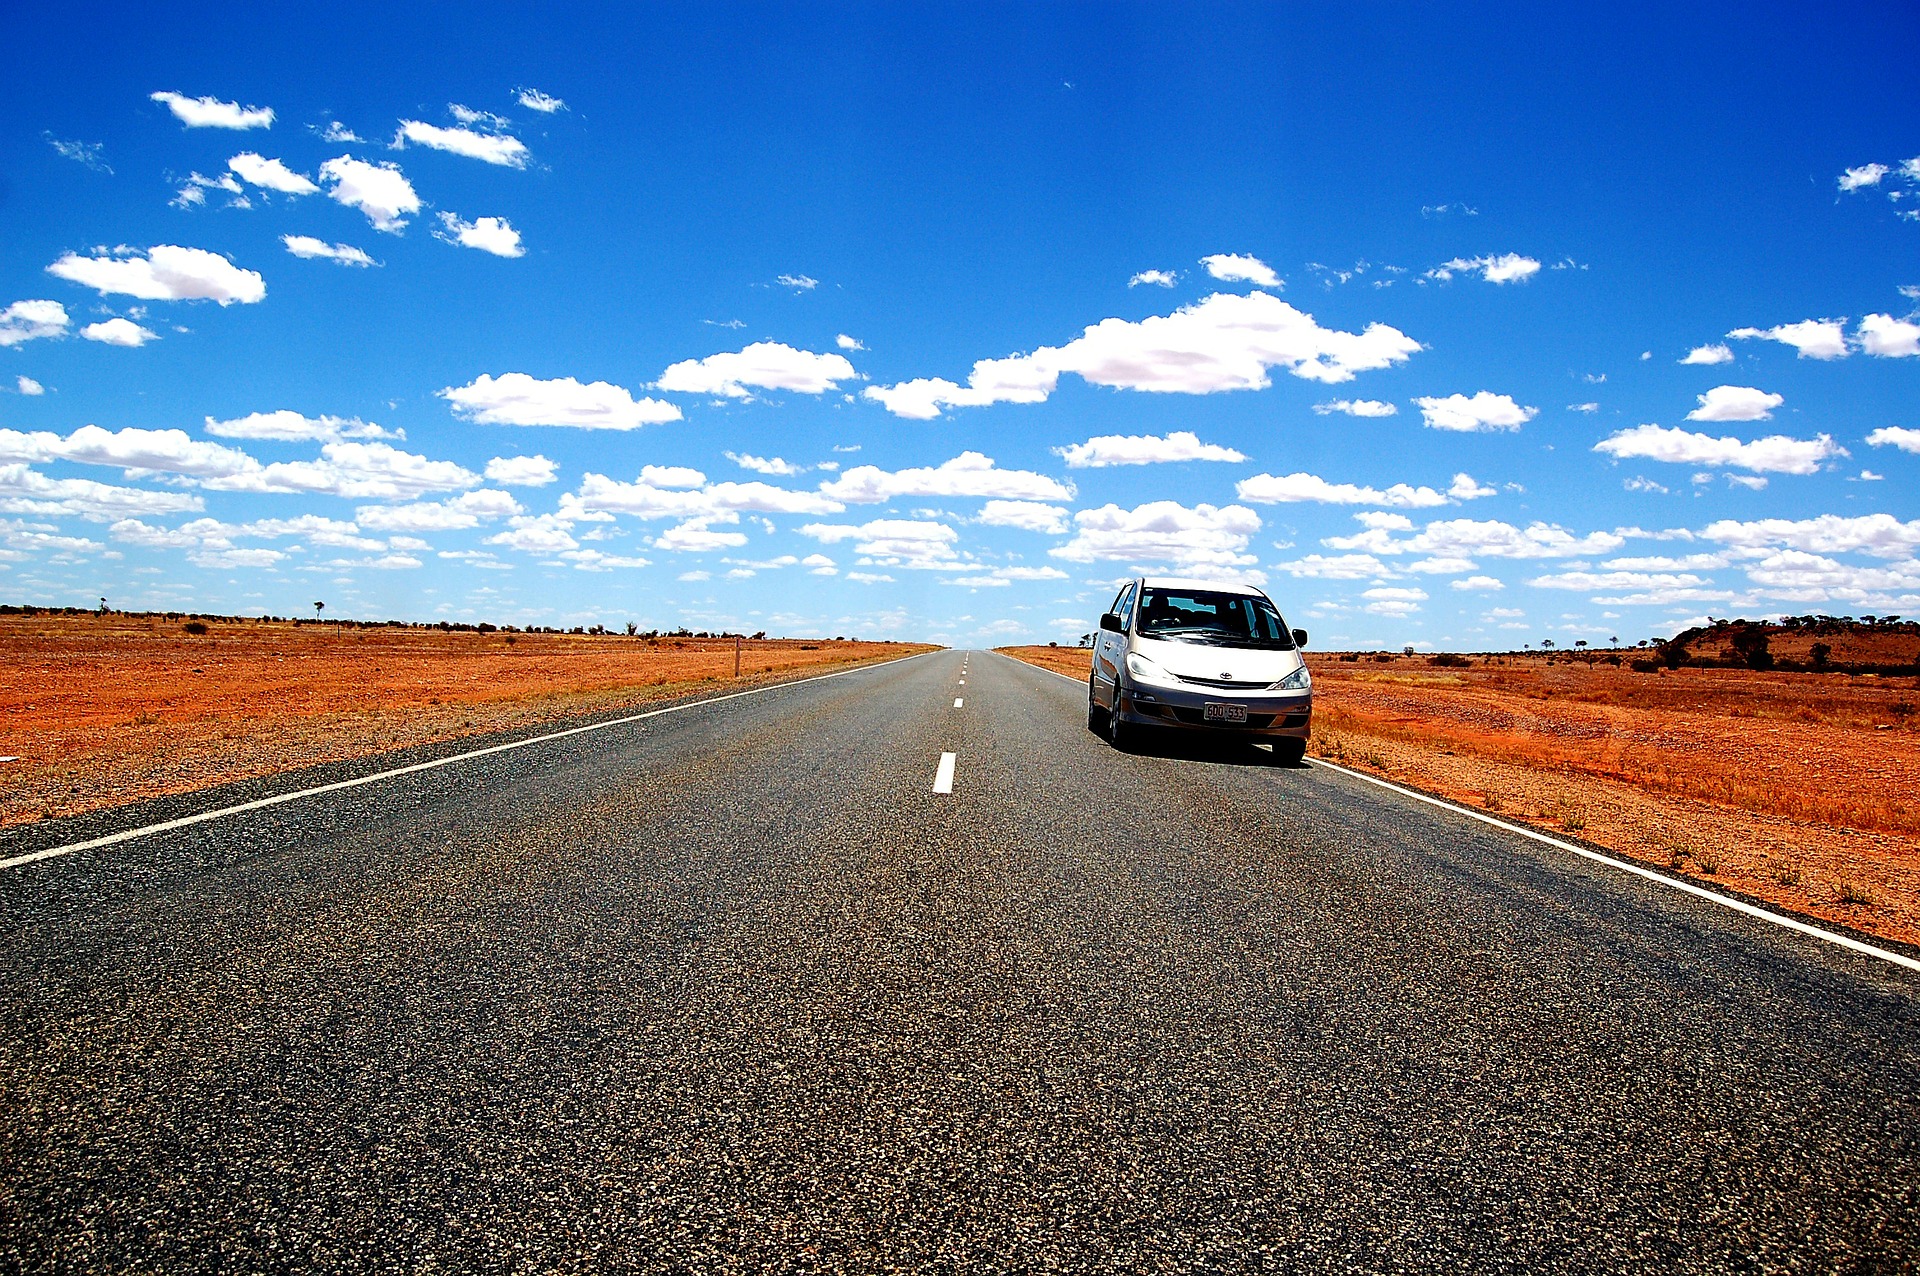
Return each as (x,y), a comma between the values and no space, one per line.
(943,777)
(956,702)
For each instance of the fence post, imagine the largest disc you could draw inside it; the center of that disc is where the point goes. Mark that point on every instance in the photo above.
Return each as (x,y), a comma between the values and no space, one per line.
(736,655)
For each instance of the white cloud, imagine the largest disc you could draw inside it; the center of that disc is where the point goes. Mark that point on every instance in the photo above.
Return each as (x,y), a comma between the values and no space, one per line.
(1159,278)
(119,332)
(535,100)
(521,471)
(193,192)
(165,451)
(1471,538)
(1645,582)
(1805,577)
(892,542)
(536,534)
(381,191)
(1506,268)
(1143,449)
(1887,337)
(1007,575)
(362,471)
(1202,539)
(208,112)
(969,474)
(1241,268)
(1735,403)
(286,426)
(514,398)
(28,386)
(1357,407)
(1775,454)
(469,509)
(309,247)
(166,273)
(85,153)
(599,494)
(799,283)
(1813,338)
(335,131)
(1336,567)
(767,365)
(672,476)
(1709,355)
(1028,516)
(696,537)
(1478,584)
(1854,179)
(24,490)
(765,465)
(1225,342)
(32,321)
(494,148)
(1268,489)
(1895,436)
(489,234)
(848,343)
(1484,411)
(270,174)
(1583,407)
(1881,535)
(485,119)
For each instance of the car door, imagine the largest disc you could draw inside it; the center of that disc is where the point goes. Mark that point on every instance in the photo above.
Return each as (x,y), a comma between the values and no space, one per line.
(1110,649)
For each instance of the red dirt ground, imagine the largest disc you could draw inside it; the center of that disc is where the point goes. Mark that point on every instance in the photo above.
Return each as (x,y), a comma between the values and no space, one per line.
(104,710)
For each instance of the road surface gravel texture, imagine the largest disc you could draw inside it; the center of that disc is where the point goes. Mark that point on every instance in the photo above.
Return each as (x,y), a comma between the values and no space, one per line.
(733,989)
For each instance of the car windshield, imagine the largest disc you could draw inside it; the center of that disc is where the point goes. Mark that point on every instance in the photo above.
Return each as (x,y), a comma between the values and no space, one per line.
(1212,617)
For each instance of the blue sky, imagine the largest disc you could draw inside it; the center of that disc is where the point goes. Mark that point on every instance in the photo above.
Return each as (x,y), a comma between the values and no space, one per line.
(1459,329)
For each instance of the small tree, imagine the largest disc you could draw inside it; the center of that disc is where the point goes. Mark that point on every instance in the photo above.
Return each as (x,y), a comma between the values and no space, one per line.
(317,609)
(1546,644)
(1821,655)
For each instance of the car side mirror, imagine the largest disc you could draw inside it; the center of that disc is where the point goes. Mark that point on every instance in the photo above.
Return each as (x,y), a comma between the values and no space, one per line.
(1300,638)
(1111,623)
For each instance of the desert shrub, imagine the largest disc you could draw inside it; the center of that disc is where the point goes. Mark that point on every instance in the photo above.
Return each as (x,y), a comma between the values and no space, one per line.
(1383,657)
(1820,654)
(1350,657)
(1644,665)
(195,627)
(1449,660)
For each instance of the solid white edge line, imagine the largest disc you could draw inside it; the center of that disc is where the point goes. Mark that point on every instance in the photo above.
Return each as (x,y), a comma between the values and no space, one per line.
(203,817)
(1625,866)
(943,774)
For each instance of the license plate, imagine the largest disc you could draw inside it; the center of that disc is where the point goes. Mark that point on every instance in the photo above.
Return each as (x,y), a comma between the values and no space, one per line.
(1216,712)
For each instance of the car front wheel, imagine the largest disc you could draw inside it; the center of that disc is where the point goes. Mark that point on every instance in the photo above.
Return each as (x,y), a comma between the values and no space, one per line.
(1096,716)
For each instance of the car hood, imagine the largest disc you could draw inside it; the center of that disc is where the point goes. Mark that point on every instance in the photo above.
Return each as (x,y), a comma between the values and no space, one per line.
(1224,664)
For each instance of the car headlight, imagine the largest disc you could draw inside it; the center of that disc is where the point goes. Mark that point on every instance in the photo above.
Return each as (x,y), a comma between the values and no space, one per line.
(1298,680)
(1140,667)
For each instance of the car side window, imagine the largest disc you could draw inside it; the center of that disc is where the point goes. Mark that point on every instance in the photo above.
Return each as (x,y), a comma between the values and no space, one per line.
(1125,607)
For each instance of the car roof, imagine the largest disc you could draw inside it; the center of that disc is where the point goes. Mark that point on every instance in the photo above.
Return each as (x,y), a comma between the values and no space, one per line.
(1195,582)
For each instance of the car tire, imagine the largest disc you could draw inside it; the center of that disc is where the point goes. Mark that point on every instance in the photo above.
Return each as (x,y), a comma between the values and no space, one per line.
(1121,734)
(1289,752)
(1096,716)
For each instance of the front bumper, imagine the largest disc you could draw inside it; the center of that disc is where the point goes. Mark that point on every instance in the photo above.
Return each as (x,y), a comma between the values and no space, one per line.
(1270,715)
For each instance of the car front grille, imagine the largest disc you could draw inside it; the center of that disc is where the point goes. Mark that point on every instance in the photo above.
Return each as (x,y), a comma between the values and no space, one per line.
(1225,684)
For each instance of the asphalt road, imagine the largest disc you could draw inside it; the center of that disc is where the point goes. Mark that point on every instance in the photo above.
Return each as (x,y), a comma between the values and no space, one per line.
(734,989)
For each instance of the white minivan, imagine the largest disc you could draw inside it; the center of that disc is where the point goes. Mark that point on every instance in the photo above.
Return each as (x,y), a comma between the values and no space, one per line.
(1200,656)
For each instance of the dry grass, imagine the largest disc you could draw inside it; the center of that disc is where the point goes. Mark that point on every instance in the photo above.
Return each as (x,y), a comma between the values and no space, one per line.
(1801,789)
(102,710)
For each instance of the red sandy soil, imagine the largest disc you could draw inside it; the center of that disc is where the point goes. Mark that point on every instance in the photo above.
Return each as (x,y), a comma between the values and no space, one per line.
(1799,789)
(104,710)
